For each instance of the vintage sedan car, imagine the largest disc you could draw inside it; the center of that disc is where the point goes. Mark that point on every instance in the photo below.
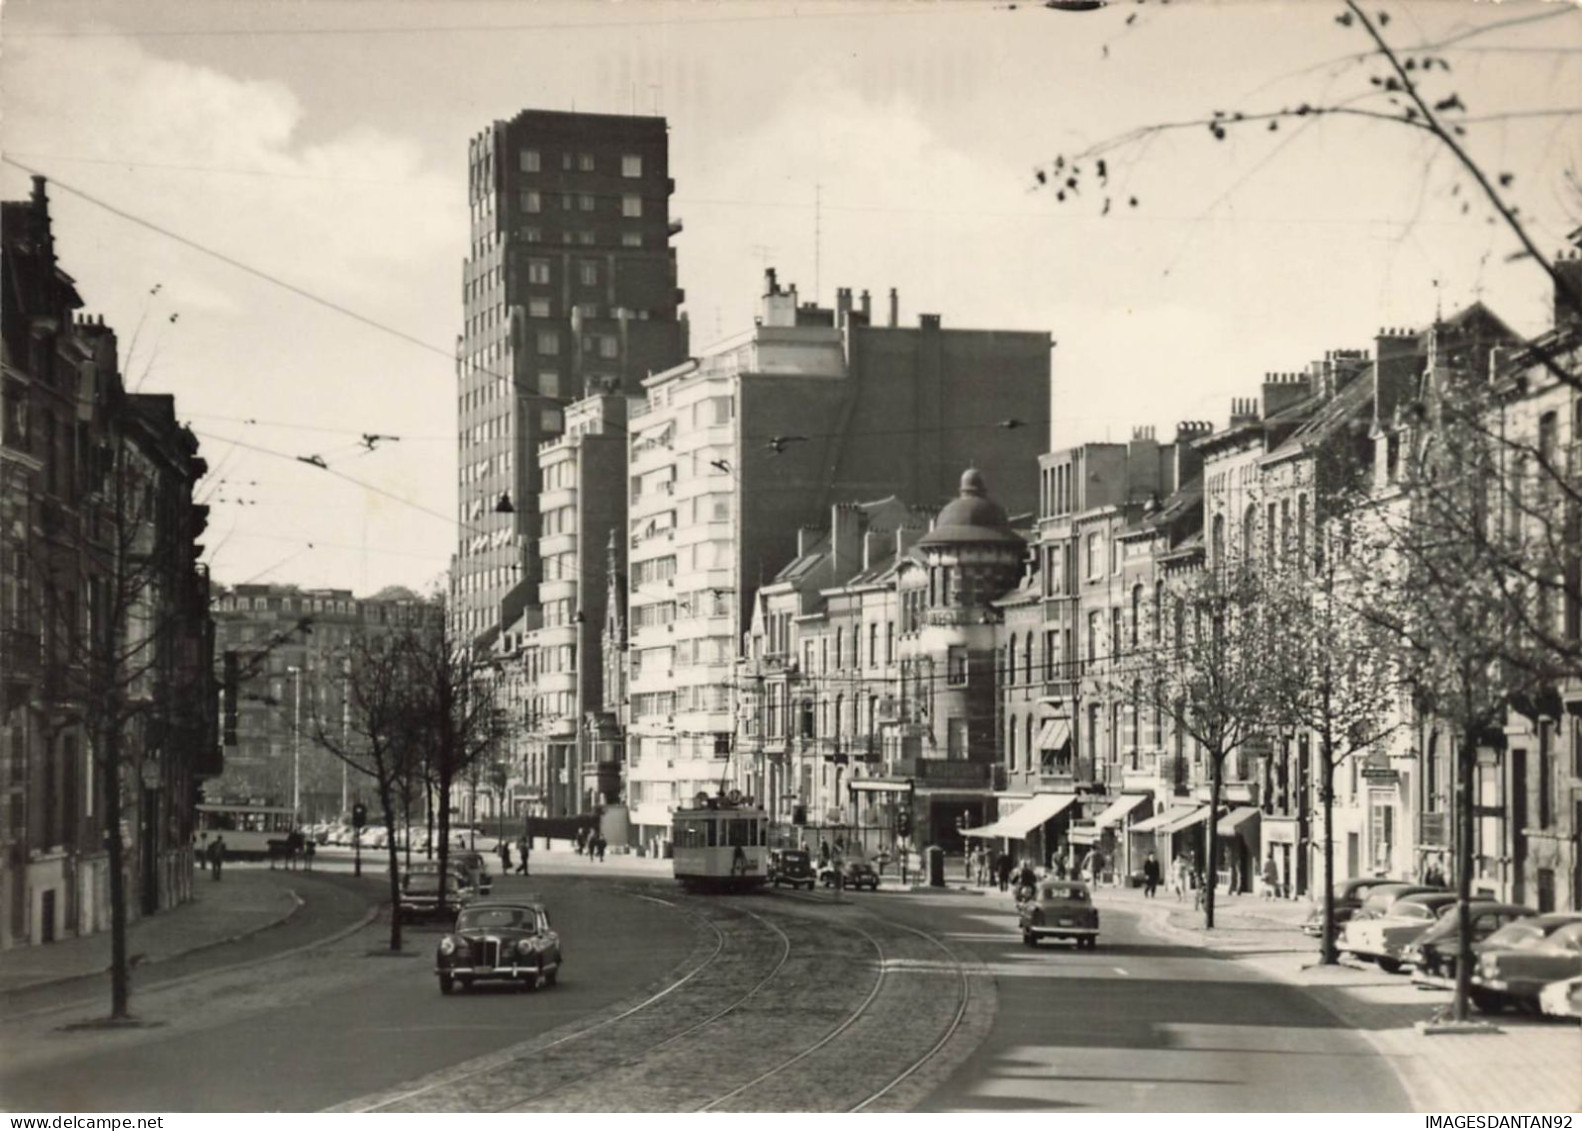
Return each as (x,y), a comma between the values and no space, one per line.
(1384,939)
(1433,956)
(1379,899)
(499,940)
(857,874)
(474,866)
(1517,973)
(792,866)
(1562,999)
(1059,909)
(423,896)
(1349,895)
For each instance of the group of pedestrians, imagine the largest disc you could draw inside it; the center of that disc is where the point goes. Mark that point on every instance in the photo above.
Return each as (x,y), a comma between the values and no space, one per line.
(591,842)
(523,847)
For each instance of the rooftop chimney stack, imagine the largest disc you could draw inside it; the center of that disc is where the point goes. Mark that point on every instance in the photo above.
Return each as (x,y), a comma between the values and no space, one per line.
(895,308)
(1568,306)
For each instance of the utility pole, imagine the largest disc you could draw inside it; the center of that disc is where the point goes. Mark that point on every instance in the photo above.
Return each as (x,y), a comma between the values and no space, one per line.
(296,745)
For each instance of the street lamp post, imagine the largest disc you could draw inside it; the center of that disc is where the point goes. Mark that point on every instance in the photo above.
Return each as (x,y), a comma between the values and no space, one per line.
(296,745)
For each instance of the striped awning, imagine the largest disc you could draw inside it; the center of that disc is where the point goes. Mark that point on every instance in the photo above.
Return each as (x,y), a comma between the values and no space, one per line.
(1119,808)
(1029,815)
(1055,734)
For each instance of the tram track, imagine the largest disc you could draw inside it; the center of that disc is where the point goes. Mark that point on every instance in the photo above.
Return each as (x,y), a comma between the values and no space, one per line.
(762,1019)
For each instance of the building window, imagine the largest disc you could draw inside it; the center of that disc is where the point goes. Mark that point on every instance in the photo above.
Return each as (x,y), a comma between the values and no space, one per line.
(1093,635)
(873,645)
(588,272)
(585,201)
(531,201)
(549,383)
(585,162)
(538,271)
(956,666)
(1012,726)
(609,346)
(631,206)
(631,165)
(532,235)
(548,342)
(631,239)
(538,308)
(530,161)
(1095,556)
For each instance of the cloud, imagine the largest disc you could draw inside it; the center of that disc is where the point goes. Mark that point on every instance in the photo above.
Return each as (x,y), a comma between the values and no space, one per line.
(222,160)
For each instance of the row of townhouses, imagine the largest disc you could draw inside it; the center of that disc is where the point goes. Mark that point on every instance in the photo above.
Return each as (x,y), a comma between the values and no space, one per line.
(106,643)
(892,671)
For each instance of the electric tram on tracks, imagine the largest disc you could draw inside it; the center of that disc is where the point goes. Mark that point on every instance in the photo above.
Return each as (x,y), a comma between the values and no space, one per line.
(721,843)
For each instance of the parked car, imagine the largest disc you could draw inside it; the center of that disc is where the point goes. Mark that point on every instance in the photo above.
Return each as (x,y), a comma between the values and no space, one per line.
(1380,898)
(1383,939)
(424,896)
(372,837)
(1059,909)
(1349,895)
(475,867)
(1433,956)
(857,874)
(792,866)
(499,940)
(1563,998)
(1516,972)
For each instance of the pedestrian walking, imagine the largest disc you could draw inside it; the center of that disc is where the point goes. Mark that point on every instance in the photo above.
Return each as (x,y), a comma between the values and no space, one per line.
(1150,875)
(1271,877)
(1180,877)
(504,849)
(217,856)
(523,846)
(1096,866)
(308,850)
(1003,866)
(599,844)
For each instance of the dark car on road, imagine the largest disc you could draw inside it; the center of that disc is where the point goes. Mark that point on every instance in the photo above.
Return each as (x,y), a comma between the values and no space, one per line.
(856,874)
(792,866)
(1519,961)
(423,896)
(1059,909)
(1433,955)
(499,940)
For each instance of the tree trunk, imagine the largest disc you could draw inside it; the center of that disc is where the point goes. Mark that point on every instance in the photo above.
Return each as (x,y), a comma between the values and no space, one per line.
(387,803)
(1468,757)
(109,758)
(443,788)
(1328,954)
(1211,833)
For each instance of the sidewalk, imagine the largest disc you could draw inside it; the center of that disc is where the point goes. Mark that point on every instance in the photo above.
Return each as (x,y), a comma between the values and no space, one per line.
(1530,1065)
(244,902)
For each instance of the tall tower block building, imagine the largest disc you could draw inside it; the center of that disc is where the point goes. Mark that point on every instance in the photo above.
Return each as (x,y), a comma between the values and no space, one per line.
(569,289)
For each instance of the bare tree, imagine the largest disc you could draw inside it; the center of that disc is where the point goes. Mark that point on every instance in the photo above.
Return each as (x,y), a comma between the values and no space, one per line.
(375,737)
(1210,677)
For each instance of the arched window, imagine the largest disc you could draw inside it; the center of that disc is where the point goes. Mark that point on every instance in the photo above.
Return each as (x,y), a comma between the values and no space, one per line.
(1010,659)
(1031,753)
(840,713)
(1010,745)
(1137,613)
(1027,658)
(1156,630)
(1217,545)
(840,647)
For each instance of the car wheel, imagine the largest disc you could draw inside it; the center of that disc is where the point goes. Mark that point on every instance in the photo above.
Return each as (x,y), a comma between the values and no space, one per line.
(1389,966)
(447,984)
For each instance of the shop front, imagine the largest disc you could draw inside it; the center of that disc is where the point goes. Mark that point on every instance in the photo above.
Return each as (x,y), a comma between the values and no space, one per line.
(1029,828)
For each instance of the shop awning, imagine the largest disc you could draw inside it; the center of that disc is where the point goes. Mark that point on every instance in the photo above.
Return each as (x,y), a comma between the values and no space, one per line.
(879,785)
(1055,734)
(1119,808)
(1173,820)
(1083,834)
(1035,811)
(1231,823)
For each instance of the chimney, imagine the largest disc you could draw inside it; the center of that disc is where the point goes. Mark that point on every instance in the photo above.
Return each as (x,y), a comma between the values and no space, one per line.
(842,305)
(1243,410)
(771,286)
(846,530)
(1142,464)
(895,308)
(866,305)
(1396,367)
(1282,390)
(806,538)
(928,321)
(906,538)
(1568,290)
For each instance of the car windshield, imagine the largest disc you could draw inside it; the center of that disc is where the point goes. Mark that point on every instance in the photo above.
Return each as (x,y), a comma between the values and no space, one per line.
(498,919)
(1412,911)
(1065,892)
(429,881)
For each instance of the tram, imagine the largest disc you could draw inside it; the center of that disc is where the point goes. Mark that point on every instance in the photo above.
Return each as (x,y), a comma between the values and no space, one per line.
(247,829)
(721,843)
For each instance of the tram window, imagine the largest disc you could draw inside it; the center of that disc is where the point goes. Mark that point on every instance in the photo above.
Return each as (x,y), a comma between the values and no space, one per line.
(714,833)
(740,833)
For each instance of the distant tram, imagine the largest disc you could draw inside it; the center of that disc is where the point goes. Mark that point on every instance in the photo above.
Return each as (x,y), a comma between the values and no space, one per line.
(247,829)
(721,843)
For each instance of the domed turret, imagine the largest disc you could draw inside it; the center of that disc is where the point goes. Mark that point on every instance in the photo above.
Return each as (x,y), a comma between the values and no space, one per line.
(972,518)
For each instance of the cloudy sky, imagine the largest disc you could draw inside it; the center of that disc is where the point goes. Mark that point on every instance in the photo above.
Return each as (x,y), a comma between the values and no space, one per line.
(323,143)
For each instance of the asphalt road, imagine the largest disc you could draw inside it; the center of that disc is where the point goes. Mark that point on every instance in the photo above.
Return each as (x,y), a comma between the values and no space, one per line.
(1141,1025)
(1136,1025)
(314,1030)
